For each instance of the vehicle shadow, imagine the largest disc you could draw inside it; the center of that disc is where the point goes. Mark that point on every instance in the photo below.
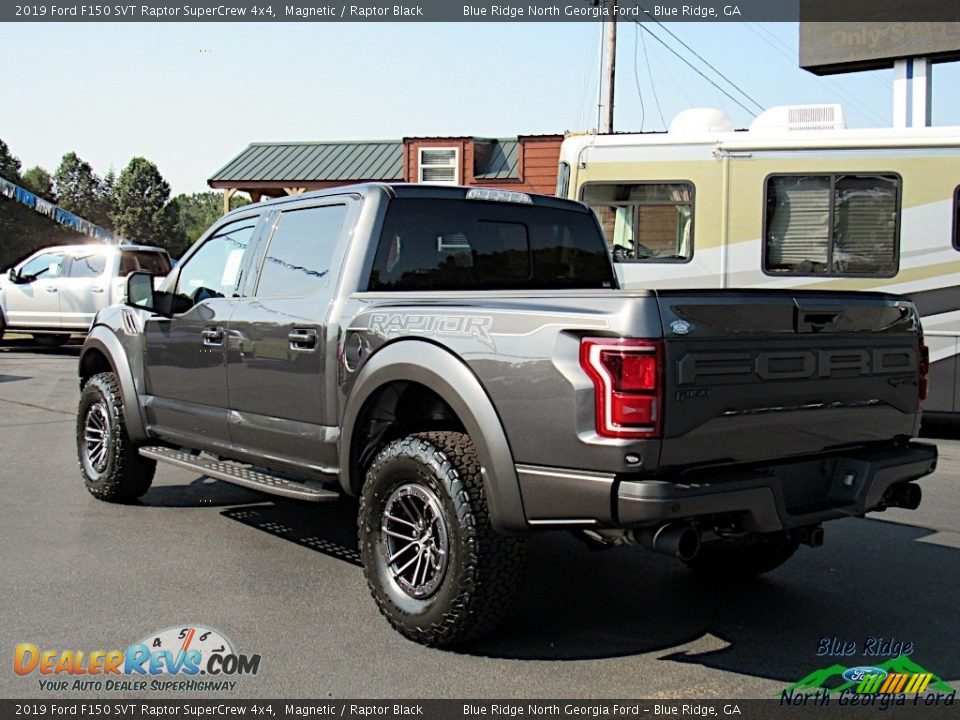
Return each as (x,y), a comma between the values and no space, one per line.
(940,428)
(872,579)
(202,492)
(328,528)
(29,345)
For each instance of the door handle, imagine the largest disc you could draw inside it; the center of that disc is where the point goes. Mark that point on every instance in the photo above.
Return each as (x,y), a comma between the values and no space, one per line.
(51,289)
(97,290)
(304,340)
(213,336)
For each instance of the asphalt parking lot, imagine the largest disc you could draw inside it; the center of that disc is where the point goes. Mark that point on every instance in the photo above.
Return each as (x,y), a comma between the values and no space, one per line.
(283,580)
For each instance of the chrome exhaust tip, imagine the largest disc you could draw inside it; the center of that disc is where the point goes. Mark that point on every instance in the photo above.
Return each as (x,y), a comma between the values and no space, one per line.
(906,495)
(679,541)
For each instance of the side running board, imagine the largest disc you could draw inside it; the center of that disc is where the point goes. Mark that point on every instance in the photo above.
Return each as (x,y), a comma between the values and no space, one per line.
(241,474)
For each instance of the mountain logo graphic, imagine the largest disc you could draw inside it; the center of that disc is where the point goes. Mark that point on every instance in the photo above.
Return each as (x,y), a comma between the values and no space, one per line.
(896,675)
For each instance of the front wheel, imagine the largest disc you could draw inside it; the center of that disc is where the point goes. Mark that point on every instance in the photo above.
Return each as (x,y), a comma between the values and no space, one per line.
(435,566)
(110,465)
(737,562)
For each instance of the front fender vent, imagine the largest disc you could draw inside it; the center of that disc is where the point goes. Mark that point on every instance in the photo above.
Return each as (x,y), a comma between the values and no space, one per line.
(130,323)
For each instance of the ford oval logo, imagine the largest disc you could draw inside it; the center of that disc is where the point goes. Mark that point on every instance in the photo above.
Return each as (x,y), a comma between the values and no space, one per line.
(857,674)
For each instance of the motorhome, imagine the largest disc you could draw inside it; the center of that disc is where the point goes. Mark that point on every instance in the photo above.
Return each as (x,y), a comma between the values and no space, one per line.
(796,201)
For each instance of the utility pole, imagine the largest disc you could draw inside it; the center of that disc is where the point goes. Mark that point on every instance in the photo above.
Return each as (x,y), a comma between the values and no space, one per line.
(610,66)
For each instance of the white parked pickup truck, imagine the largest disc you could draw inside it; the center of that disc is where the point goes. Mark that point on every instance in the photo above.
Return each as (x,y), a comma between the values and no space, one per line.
(57,291)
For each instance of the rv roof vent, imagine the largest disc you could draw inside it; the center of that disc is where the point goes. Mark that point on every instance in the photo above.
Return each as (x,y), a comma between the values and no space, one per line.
(697,121)
(794,118)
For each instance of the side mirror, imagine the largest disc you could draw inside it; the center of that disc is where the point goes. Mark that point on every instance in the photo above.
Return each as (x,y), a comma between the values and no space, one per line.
(140,292)
(20,279)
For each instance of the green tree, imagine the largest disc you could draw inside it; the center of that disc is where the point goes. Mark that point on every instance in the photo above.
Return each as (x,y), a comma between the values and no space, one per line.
(40,183)
(107,200)
(195,212)
(78,187)
(21,229)
(141,197)
(9,165)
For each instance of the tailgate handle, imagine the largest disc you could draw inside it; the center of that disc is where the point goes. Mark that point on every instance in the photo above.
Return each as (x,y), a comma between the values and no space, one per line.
(812,321)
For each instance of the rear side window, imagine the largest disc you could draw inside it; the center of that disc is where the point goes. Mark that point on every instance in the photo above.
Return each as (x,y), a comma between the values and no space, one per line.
(155,263)
(832,225)
(90,265)
(480,245)
(300,252)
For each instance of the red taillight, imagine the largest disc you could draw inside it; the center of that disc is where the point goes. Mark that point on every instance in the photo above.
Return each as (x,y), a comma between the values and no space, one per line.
(626,377)
(924,369)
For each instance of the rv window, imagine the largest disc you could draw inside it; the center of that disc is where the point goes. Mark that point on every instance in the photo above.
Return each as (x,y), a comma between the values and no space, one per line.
(563,179)
(645,222)
(832,225)
(956,218)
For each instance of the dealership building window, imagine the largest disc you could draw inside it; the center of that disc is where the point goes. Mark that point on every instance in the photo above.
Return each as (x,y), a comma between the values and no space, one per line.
(833,225)
(650,221)
(439,166)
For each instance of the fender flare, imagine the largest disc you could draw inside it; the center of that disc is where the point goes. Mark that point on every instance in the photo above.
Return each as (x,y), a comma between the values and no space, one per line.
(447,375)
(102,339)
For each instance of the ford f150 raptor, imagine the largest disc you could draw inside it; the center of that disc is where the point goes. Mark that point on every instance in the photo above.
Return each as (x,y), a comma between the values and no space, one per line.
(463,361)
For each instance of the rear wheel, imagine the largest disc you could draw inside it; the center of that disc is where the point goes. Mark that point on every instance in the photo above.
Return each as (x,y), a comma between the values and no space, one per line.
(435,566)
(3,325)
(110,465)
(733,562)
(50,340)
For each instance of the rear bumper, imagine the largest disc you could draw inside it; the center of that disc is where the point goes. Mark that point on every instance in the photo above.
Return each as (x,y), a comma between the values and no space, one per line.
(768,499)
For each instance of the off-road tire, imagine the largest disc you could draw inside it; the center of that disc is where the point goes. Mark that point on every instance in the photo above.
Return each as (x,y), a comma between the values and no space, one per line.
(737,562)
(50,340)
(484,570)
(121,475)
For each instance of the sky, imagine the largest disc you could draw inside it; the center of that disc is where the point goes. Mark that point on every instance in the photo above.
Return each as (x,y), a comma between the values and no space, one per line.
(190,97)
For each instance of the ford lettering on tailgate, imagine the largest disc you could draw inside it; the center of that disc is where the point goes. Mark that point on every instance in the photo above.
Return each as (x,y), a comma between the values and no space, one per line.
(796,364)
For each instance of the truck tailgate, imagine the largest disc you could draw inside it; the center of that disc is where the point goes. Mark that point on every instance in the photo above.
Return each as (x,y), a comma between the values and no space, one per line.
(753,376)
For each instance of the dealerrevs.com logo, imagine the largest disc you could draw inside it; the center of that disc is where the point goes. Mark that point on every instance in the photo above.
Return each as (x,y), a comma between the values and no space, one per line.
(182,658)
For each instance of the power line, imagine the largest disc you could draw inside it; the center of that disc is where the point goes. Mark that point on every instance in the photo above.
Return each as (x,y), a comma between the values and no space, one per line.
(673,78)
(698,71)
(591,56)
(708,64)
(789,53)
(653,87)
(636,77)
(600,81)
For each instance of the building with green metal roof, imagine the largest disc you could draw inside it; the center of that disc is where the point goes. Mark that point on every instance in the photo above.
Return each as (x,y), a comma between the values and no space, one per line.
(270,169)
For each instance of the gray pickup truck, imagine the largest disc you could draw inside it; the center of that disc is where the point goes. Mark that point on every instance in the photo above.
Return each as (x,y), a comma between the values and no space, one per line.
(463,361)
